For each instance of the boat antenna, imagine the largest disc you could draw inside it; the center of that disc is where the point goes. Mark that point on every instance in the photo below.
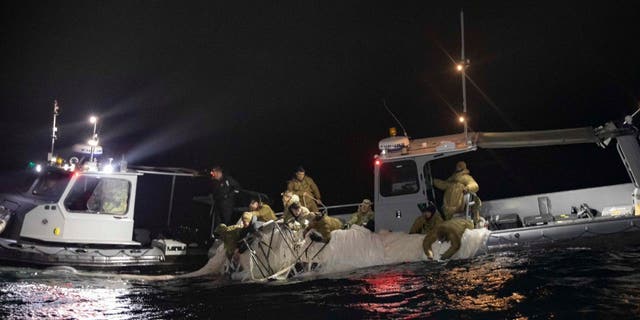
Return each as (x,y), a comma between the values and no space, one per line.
(54,129)
(462,67)
(384,102)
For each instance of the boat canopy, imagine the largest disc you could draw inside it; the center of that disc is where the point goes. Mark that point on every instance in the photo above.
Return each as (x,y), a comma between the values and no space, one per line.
(519,139)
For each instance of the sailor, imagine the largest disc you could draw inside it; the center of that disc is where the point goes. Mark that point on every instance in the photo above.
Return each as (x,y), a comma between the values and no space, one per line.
(261,210)
(449,230)
(306,189)
(300,217)
(321,226)
(364,216)
(428,221)
(233,235)
(288,198)
(224,190)
(455,187)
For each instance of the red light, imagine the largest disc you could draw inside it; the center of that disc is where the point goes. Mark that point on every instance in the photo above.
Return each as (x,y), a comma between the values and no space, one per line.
(377,162)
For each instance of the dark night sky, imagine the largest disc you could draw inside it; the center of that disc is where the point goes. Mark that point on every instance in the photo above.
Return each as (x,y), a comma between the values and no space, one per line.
(261,87)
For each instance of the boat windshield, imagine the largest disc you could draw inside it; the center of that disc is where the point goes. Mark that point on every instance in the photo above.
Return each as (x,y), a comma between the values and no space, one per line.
(51,184)
(398,178)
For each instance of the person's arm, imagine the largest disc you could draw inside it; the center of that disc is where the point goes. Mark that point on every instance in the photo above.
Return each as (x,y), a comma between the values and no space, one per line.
(291,186)
(315,192)
(354,219)
(233,184)
(417,225)
(471,185)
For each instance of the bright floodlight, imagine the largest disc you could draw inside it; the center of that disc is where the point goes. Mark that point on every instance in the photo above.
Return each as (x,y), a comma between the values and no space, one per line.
(461,119)
(459,67)
(93,119)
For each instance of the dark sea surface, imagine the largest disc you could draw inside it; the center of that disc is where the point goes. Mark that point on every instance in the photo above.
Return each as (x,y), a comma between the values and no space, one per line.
(573,283)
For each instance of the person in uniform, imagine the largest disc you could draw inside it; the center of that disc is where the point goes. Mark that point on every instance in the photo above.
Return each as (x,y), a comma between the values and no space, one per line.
(288,198)
(232,235)
(428,221)
(306,189)
(261,210)
(449,230)
(300,217)
(321,226)
(224,190)
(455,187)
(364,216)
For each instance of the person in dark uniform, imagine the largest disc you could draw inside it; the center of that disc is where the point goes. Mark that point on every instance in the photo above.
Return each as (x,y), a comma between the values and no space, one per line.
(224,190)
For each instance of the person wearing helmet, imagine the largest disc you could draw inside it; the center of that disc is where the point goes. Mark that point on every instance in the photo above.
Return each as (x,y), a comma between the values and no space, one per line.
(306,189)
(455,187)
(427,221)
(450,230)
(364,216)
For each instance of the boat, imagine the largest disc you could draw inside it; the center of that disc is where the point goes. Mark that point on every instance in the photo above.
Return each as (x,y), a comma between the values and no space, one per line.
(602,216)
(403,178)
(89,213)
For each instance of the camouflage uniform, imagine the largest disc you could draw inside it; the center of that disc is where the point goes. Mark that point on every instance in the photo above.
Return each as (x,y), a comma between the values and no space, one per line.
(302,221)
(450,230)
(264,213)
(454,189)
(361,218)
(324,226)
(230,236)
(424,225)
(306,185)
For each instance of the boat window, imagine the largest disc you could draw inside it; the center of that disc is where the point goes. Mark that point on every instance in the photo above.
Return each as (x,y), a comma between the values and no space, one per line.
(51,184)
(99,195)
(398,178)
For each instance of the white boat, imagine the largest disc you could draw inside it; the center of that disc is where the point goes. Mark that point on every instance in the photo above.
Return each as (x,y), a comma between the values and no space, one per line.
(92,214)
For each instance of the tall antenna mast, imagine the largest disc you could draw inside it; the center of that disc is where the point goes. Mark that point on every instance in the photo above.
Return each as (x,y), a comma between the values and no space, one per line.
(463,67)
(54,129)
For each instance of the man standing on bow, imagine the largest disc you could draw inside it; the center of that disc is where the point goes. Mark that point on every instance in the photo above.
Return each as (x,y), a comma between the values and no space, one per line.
(224,190)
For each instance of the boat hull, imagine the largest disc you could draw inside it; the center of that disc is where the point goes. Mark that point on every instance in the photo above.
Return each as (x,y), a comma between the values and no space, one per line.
(114,259)
(595,232)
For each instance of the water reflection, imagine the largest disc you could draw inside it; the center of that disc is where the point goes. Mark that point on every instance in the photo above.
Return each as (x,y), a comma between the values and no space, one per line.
(479,286)
(37,295)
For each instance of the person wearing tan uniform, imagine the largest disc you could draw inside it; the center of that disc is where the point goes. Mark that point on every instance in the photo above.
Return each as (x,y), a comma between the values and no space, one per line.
(262,211)
(364,214)
(321,227)
(450,230)
(428,221)
(455,187)
(306,189)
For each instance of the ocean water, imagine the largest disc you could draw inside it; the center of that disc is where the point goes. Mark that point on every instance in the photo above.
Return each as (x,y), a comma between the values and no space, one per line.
(569,283)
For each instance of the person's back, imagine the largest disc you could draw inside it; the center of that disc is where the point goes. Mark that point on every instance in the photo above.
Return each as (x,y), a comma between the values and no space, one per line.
(265,213)
(449,230)
(324,226)
(454,189)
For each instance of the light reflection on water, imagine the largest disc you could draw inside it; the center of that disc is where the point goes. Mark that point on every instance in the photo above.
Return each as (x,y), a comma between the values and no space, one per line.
(548,284)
